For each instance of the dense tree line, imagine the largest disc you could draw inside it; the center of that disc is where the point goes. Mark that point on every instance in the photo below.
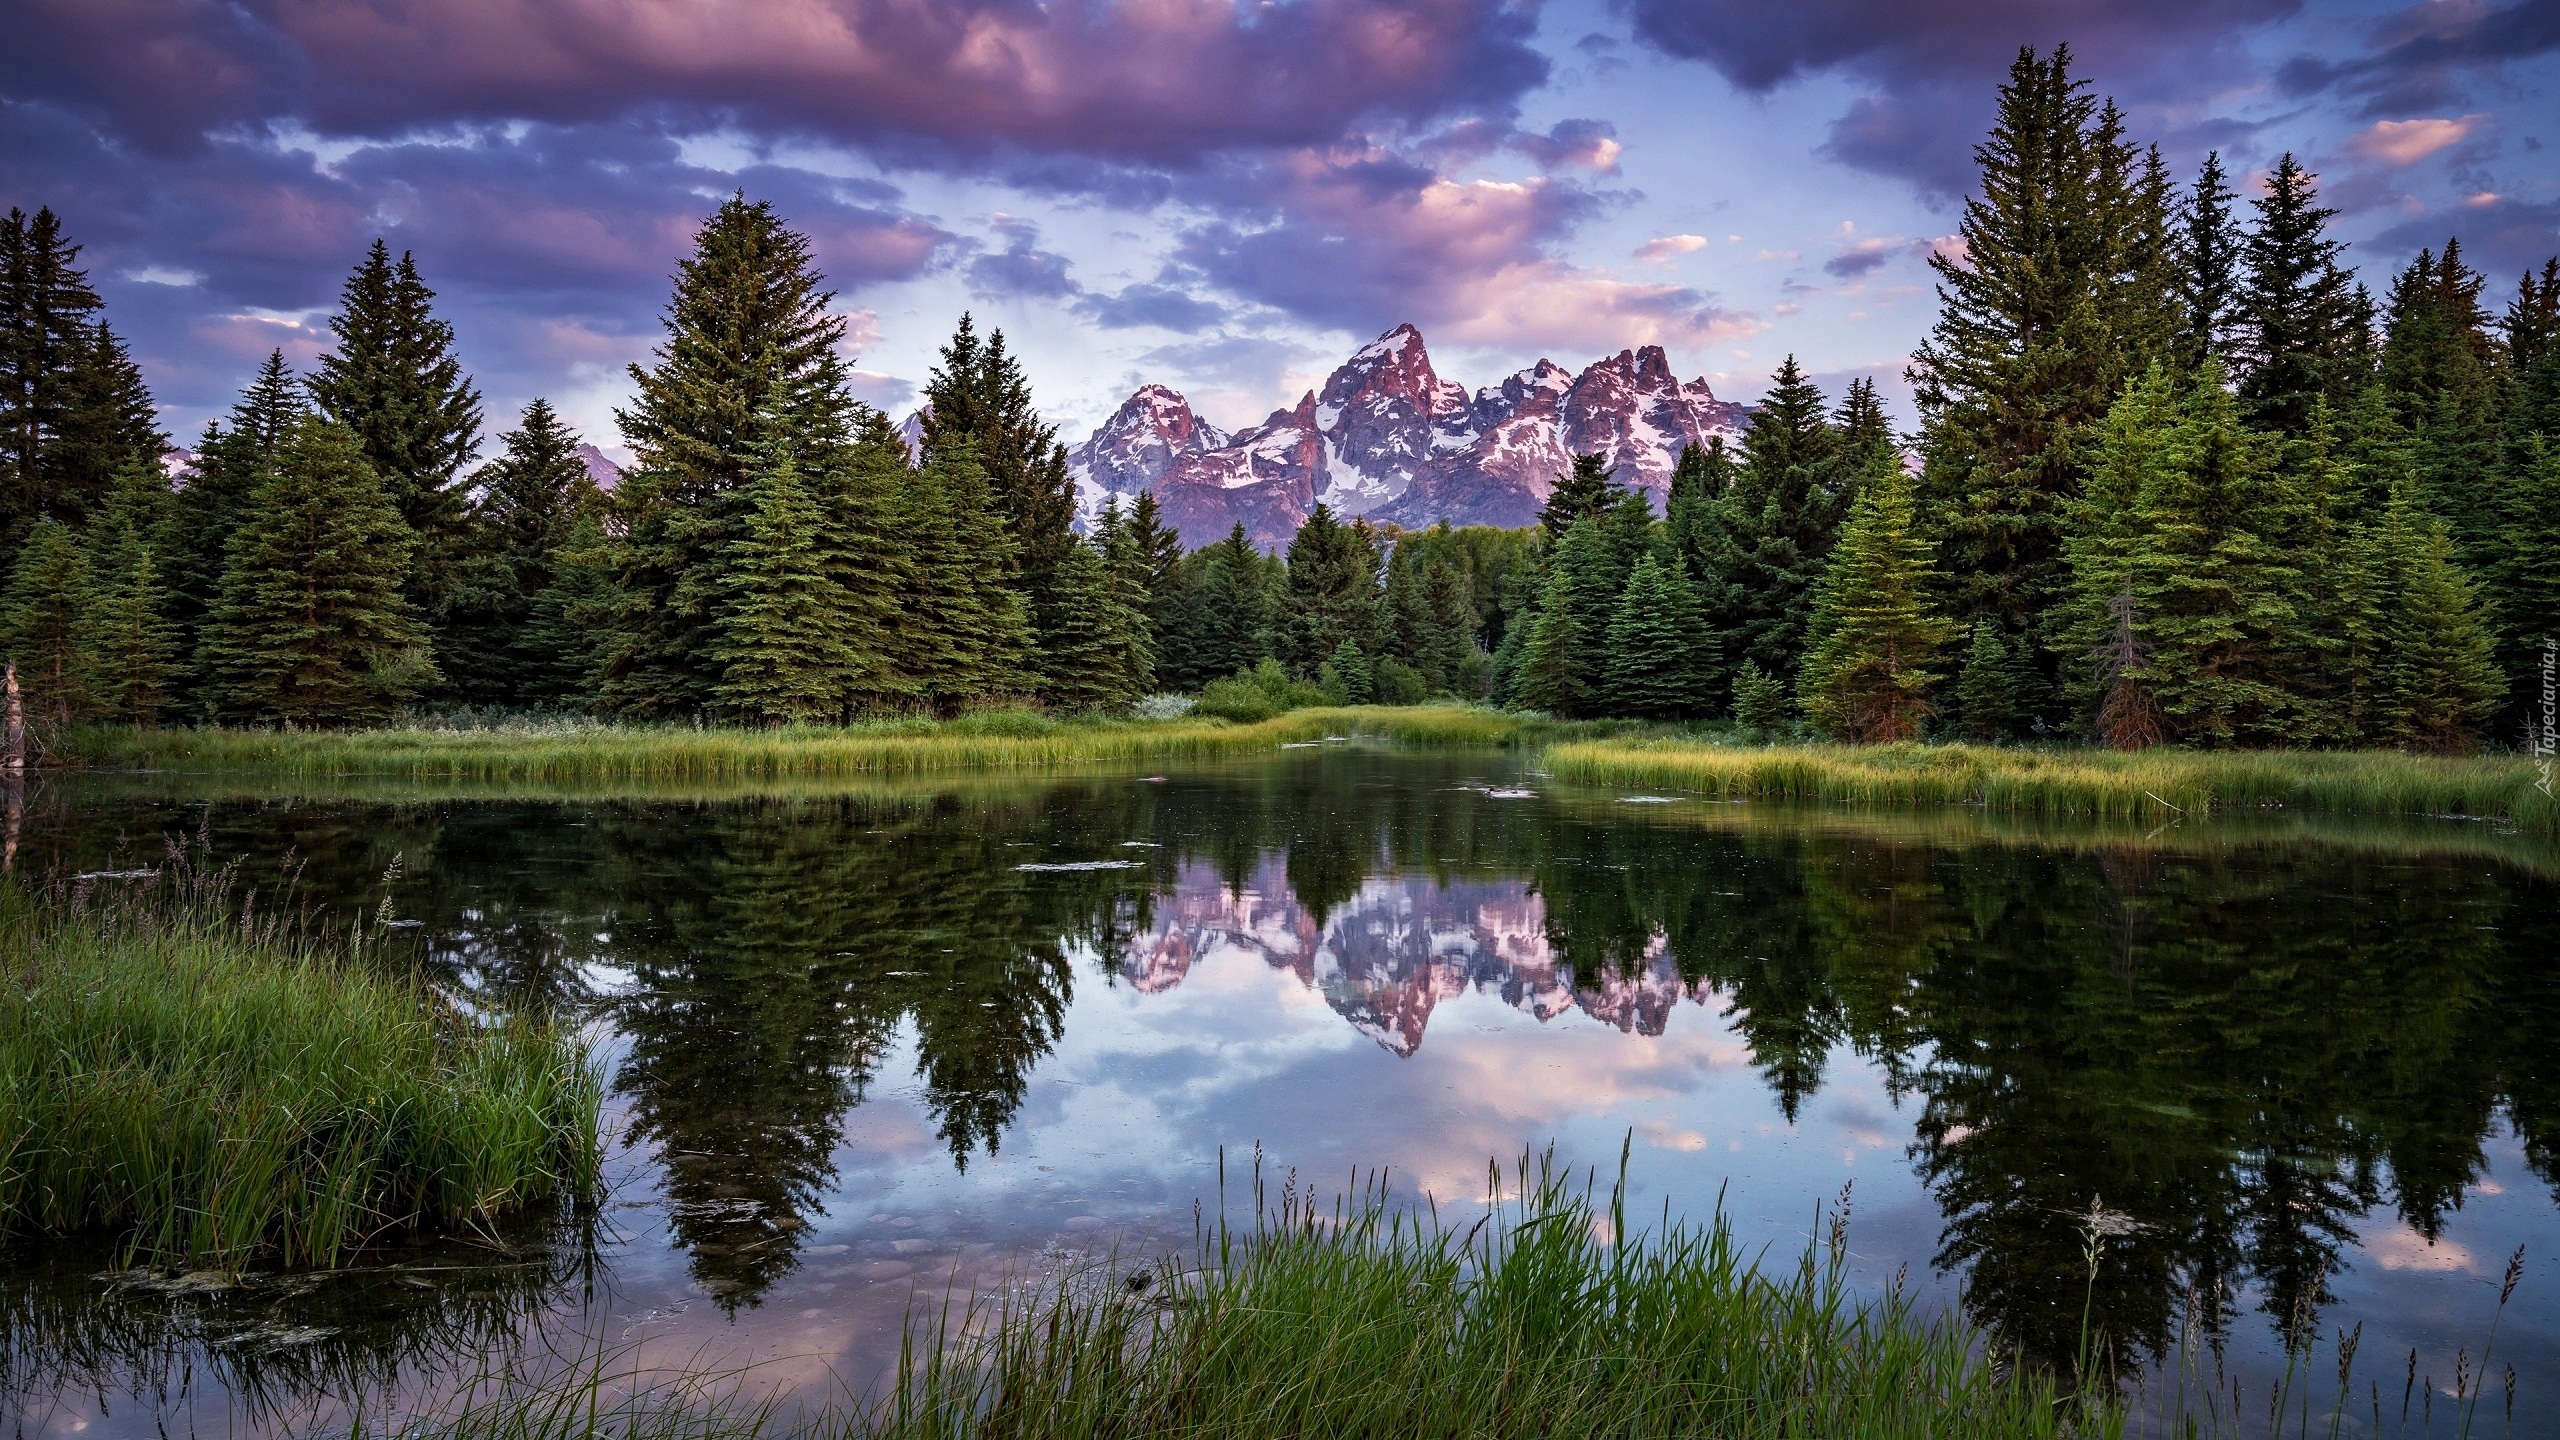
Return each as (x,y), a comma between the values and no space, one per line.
(334,554)
(2178,477)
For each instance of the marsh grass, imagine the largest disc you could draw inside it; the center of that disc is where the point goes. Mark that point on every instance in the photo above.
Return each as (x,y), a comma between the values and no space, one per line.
(205,1070)
(2154,785)
(578,749)
(1552,1316)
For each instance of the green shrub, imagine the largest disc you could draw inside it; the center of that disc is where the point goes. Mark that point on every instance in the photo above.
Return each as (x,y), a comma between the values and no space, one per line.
(1258,694)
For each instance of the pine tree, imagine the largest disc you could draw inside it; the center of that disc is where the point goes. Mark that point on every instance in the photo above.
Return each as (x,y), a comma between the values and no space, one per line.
(784,652)
(2209,266)
(43,620)
(231,463)
(1874,637)
(2185,555)
(1701,477)
(1098,638)
(109,424)
(1130,566)
(1232,614)
(964,634)
(2298,336)
(2438,372)
(311,627)
(1447,656)
(1564,657)
(72,406)
(1345,677)
(1987,686)
(394,381)
(131,643)
(2441,681)
(1657,664)
(750,366)
(2059,294)
(524,504)
(1333,592)
(1158,547)
(1587,489)
(1759,700)
(554,654)
(978,393)
(1775,527)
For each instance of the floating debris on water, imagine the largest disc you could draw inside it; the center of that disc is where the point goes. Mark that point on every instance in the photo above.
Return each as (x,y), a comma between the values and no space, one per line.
(1511,794)
(1084,865)
(1648,799)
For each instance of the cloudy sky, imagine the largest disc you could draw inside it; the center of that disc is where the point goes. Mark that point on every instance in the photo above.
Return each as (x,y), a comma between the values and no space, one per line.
(1223,195)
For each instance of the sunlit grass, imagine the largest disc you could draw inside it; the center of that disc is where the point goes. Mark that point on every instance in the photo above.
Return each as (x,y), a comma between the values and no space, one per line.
(1009,739)
(2153,784)
(1551,1317)
(186,1063)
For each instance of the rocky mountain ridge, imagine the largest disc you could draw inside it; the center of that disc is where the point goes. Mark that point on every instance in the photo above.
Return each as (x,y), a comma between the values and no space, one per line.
(1387,437)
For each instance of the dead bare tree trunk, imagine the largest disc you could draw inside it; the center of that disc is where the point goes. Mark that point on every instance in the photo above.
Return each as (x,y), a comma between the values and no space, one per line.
(13,742)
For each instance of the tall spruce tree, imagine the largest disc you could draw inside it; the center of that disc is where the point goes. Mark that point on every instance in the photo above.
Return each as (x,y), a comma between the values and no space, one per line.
(978,393)
(2209,252)
(749,366)
(232,461)
(1232,617)
(783,650)
(1776,523)
(394,381)
(1875,637)
(1657,666)
(964,633)
(73,410)
(2300,332)
(2059,293)
(1587,489)
(2441,680)
(43,620)
(1563,664)
(524,504)
(554,654)
(131,643)
(1099,653)
(2184,559)
(312,627)
(1332,589)
(1447,655)
(1987,686)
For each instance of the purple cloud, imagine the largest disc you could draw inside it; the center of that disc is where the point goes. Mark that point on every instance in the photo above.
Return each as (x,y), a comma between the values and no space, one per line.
(2420,54)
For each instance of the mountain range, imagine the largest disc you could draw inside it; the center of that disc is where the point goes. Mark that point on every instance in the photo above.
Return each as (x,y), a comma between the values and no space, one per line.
(1386,437)
(1385,957)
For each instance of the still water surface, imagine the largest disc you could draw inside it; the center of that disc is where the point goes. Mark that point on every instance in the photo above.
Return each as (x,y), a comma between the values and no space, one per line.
(872,1043)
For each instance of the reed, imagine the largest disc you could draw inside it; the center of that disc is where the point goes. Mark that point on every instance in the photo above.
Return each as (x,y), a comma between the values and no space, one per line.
(579,750)
(1549,1317)
(2154,785)
(196,1066)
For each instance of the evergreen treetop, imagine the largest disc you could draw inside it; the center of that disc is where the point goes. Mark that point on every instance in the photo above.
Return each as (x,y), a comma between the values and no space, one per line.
(2300,327)
(73,408)
(1875,637)
(2209,244)
(395,382)
(1586,489)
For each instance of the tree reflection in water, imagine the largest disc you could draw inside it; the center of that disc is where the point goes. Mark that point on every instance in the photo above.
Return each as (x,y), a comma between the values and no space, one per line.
(2247,1047)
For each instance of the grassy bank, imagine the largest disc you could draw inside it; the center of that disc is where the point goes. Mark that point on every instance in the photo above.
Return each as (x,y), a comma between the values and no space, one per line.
(2151,785)
(999,740)
(188,1064)
(1359,1319)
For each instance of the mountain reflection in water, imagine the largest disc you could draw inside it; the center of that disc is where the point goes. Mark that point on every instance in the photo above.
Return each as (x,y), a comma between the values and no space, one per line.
(2258,1043)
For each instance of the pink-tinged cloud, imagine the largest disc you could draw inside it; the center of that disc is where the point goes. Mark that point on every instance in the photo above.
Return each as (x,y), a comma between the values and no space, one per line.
(1666,246)
(1163,81)
(2406,142)
(1360,237)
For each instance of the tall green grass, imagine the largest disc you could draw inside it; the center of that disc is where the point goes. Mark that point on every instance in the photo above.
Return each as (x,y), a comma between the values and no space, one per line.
(999,740)
(2152,784)
(184,1063)
(1552,1316)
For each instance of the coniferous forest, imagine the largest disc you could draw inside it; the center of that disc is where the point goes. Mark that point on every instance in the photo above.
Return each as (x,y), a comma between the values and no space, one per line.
(2182,475)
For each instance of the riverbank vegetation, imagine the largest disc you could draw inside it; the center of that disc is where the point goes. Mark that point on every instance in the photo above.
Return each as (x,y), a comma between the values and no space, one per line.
(1553,1316)
(202,1067)
(2159,785)
(1006,739)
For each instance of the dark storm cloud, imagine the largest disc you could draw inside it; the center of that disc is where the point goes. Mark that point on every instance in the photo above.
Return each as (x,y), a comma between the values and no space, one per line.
(2423,57)
(1165,82)
(1163,306)
(1022,269)
(1934,64)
